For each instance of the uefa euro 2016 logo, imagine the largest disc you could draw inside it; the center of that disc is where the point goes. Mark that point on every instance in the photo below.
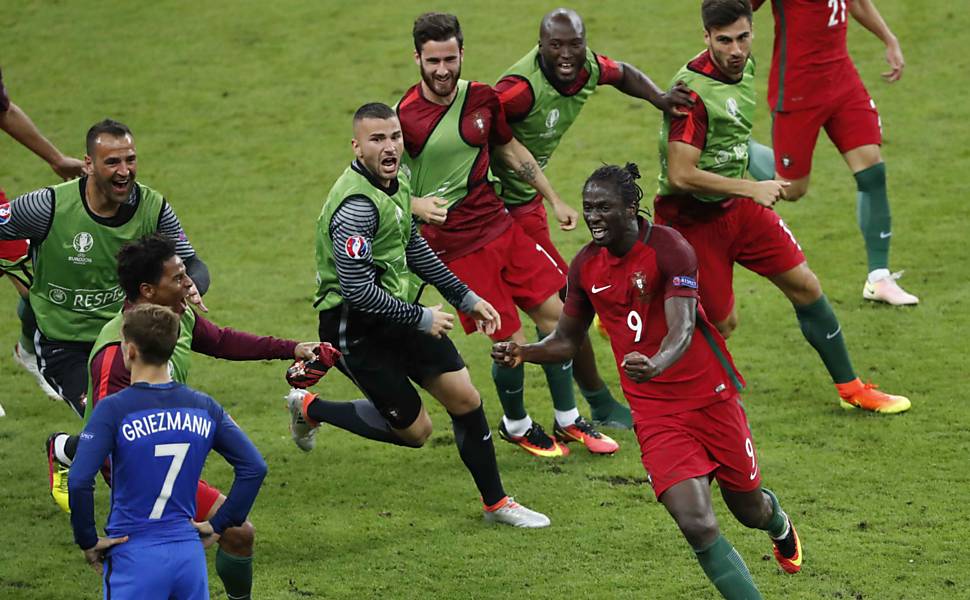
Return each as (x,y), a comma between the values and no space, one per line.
(356,247)
(83,242)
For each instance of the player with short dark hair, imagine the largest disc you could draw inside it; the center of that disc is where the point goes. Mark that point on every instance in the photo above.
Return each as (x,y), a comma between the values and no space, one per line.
(813,84)
(151,273)
(157,433)
(75,229)
(14,259)
(676,373)
(542,94)
(451,129)
(729,219)
(371,261)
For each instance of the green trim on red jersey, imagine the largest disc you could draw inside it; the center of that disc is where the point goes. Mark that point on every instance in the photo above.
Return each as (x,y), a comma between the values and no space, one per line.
(782,52)
(725,363)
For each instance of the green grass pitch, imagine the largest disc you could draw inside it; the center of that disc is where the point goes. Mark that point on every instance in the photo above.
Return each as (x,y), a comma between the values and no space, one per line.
(241,114)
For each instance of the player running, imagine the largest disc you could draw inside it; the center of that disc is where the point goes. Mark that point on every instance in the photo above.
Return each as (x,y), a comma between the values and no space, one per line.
(451,128)
(728,219)
(675,372)
(75,231)
(14,261)
(371,261)
(157,433)
(813,84)
(151,272)
(542,94)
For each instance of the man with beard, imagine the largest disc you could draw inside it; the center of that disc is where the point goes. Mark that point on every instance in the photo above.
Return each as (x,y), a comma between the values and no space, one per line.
(370,258)
(542,94)
(676,373)
(76,229)
(729,219)
(451,127)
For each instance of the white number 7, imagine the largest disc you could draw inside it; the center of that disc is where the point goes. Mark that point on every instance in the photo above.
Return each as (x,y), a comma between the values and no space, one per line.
(177,452)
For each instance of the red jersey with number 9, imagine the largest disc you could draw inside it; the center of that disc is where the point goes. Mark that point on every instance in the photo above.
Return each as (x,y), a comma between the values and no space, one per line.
(628,294)
(810,64)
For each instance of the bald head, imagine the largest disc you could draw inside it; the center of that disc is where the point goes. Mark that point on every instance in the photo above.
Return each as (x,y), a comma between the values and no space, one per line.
(562,45)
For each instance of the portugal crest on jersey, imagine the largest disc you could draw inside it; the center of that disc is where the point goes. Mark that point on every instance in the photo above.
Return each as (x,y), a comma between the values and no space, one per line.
(639,282)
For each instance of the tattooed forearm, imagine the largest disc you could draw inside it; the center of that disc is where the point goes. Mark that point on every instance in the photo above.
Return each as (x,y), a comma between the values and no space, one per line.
(527,172)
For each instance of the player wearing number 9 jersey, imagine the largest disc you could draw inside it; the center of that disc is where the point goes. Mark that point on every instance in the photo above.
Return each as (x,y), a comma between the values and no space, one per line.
(675,371)
(158,434)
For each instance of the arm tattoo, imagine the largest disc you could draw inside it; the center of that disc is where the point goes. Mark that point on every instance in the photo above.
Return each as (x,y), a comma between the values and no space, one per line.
(527,171)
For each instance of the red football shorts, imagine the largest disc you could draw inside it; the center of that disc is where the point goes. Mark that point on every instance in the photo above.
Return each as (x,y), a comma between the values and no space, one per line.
(532,218)
(13,250)
(712,439)
(205,498)
(850,121)
(510,271)
(736,231)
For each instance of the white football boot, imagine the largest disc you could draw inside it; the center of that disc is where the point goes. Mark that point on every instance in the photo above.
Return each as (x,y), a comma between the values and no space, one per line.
(29,362)
(514,514)
(885,289)
(303,434)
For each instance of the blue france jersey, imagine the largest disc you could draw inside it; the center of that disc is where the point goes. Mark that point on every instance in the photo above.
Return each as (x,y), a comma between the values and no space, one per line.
(158,437)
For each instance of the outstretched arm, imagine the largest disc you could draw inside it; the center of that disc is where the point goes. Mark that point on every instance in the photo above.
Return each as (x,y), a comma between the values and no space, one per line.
(19,126)
(559,346)
(866,13)
(634,82)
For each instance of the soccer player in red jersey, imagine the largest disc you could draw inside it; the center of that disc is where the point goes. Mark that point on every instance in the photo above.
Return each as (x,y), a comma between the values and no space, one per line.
(13,253)
(542,95)
(451,128)
(676,373)
(728,219)
(813,84)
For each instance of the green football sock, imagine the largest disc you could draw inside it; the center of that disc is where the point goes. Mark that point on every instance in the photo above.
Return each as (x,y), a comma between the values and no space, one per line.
(821,328)
(761,161)
(509,383)
(779,520)
(726,569)
(28,325)
(873,212)
(236,573)
(605,408)
(559,377)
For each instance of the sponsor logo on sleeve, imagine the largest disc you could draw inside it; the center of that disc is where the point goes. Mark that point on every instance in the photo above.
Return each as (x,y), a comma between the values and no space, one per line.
(685,282)
(357,247)
(4,213)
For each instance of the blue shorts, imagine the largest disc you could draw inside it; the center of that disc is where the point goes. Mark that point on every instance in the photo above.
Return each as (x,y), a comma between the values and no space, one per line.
(150,571)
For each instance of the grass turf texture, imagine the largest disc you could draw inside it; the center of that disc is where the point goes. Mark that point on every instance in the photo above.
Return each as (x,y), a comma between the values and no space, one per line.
(241,113)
